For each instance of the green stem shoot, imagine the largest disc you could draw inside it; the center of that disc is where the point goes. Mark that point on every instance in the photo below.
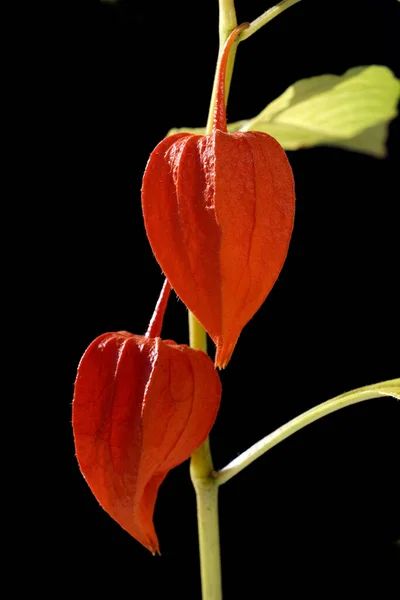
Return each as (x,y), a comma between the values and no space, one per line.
(266,17)
(386,388)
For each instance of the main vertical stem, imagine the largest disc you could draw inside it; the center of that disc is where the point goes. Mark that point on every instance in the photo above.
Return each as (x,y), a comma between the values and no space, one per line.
(206,490)
(201,465)
(201,470)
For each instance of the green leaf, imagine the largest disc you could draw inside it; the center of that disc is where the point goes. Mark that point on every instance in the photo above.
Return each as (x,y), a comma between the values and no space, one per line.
(351,111)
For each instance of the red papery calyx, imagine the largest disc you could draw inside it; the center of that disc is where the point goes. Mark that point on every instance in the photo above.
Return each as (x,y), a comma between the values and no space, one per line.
(218,211)
(141,406)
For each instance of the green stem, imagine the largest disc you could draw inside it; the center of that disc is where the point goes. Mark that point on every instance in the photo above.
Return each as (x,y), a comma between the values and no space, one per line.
(266,17)
(201,472)
(227,20)
(197,334)
(386,388)
(206,489)
(201,465)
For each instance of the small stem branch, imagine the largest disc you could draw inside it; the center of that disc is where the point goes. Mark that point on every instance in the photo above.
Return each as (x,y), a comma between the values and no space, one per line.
(227,23)
(387,388)
(156,322)
(266,17)
(219,121)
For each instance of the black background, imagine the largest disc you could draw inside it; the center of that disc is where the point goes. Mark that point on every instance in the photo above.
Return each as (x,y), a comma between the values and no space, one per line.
(321,510)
